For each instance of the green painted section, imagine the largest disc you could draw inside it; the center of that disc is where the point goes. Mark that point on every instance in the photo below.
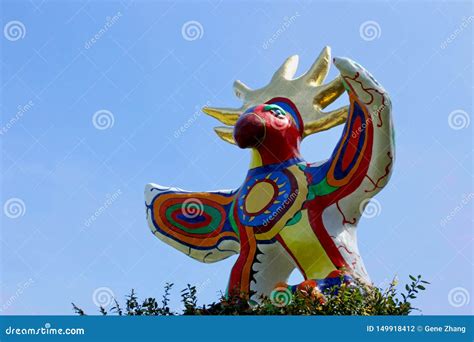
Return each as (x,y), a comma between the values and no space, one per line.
(323,188)
(295,219)
(232,220)
(311,193)
(346,86)
(320,189)
(212,212)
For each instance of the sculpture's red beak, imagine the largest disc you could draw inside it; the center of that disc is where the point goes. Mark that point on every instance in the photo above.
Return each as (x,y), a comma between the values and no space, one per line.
(249,131)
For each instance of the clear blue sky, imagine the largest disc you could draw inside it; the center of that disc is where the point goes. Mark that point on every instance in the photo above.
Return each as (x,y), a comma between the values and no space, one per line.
(143,71)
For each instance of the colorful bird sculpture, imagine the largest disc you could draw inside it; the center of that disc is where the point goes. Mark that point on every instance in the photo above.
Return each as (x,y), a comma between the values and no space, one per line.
(288,213)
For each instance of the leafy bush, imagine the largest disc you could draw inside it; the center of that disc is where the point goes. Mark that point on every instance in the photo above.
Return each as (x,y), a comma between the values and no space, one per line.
(354,299)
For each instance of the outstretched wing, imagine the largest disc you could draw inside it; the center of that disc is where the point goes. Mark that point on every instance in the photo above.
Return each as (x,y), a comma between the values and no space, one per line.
(362,161)
(195,223)
(358,169)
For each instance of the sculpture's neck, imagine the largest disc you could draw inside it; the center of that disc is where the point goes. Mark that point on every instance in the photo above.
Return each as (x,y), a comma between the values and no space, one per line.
(264,156)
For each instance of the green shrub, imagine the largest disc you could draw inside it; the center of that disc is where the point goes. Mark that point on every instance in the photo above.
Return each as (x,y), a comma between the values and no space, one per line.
(356,299)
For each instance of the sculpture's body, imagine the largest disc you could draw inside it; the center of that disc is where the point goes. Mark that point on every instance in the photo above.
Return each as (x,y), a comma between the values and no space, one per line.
(288,213)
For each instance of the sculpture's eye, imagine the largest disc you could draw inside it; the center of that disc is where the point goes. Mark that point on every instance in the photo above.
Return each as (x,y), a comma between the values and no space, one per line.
(275,110)
(278,112)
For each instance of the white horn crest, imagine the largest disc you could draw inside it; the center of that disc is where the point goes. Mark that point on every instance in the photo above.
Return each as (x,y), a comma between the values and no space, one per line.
(320,68)
(241,90)
(329,92)
(226,134)
(228,116)
(287,69)
(330,120)
(307,93)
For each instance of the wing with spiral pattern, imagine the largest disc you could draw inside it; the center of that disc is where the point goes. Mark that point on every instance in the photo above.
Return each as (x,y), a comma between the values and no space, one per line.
(198,224)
